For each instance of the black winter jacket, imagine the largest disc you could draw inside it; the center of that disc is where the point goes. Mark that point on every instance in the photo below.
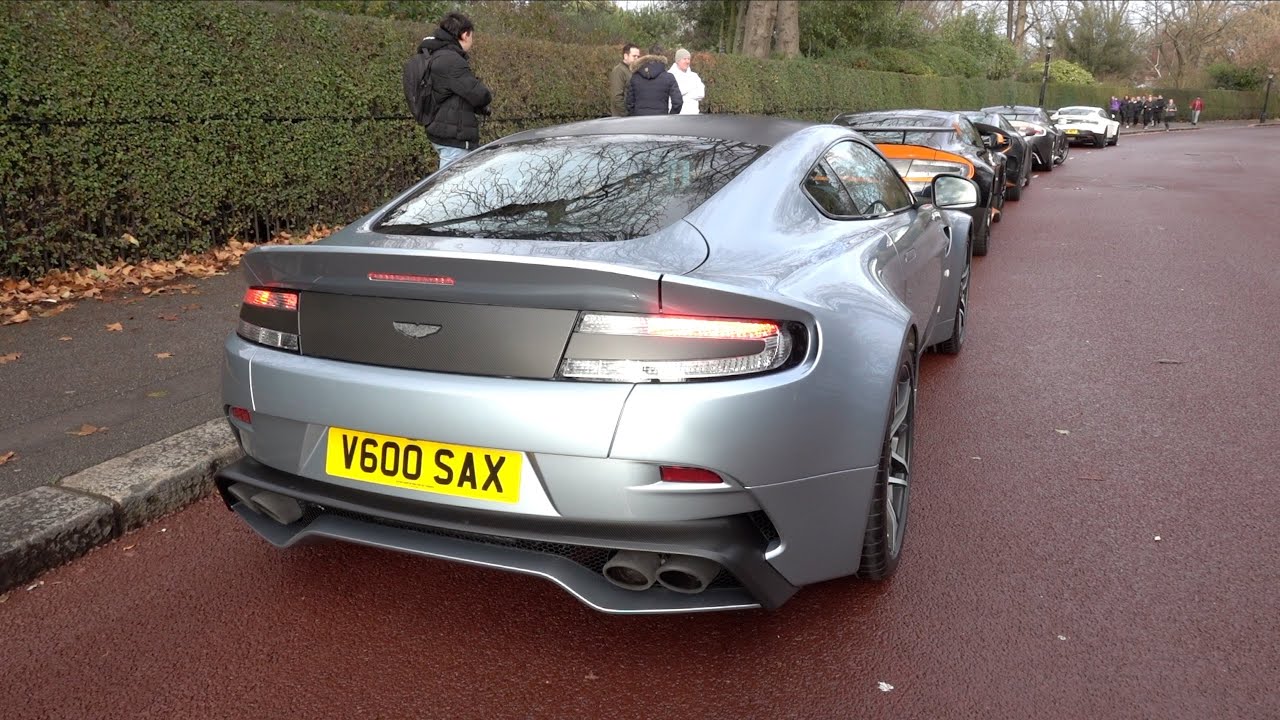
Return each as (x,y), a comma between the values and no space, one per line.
(457,93)
(654,91)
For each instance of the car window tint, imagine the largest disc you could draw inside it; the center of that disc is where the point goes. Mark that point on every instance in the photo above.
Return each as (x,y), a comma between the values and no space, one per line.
(971,132)
(872,183)
(826,190)
(582,188)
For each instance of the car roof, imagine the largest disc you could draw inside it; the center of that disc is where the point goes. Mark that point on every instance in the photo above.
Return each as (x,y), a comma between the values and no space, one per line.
(944,117)
(1012,108)
(1079,107)
(751,129)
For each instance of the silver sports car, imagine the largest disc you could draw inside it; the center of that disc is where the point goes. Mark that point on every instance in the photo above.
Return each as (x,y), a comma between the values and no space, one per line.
(667,363)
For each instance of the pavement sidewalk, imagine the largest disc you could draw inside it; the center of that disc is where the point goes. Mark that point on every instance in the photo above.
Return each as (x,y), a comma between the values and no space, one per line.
(111,411)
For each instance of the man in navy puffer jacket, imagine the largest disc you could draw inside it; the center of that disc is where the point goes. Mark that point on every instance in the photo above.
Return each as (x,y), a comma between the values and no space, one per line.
(654,90)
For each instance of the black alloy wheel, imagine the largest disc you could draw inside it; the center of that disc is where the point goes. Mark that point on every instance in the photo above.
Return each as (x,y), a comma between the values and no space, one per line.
(887,520)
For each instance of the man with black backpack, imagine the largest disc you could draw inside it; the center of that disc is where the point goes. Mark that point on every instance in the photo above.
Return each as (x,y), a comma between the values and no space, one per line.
(443,93)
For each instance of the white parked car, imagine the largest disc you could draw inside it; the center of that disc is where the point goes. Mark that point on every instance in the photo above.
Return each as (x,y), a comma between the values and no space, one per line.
(1081,123)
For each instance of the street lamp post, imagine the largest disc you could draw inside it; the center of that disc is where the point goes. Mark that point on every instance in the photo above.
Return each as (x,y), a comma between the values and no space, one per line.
(1267,96)
(1048,52)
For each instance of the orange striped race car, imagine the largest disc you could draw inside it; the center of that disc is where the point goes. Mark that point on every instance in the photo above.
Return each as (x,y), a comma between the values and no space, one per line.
(922,144)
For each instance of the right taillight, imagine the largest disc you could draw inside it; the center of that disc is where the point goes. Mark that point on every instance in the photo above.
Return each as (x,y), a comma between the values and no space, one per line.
(270,317)
(668,348)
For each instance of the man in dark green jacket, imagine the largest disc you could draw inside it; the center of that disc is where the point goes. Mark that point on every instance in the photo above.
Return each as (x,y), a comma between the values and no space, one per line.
(620,79)
(458,95)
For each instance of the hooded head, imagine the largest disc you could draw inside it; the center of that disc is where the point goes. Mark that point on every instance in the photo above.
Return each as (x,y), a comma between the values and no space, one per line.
(649,66)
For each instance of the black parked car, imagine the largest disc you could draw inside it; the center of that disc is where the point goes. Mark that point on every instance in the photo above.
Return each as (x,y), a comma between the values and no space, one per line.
(1010,141)
(922,144)
(1048,142)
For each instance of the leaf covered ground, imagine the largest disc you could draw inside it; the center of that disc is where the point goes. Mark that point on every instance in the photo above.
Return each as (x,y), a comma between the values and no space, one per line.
(24,300)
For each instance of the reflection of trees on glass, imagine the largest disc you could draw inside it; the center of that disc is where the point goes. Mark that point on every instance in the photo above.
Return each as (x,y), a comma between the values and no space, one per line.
(583,188)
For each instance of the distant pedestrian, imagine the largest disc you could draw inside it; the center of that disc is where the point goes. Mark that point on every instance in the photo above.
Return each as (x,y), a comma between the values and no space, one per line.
(457,95)
(1115,108)
(691,87)
(620,79)
(654,91)
(1196,106)
(1170,113)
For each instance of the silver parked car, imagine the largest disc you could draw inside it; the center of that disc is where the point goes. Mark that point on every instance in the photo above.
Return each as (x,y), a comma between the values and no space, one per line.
(667,363)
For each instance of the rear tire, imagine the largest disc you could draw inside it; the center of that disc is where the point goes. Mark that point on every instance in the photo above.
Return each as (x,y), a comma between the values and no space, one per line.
(1013,193)
(1100,141)
(1046,166)
(955,343)
(887,518)
(1116,140)
(980,243)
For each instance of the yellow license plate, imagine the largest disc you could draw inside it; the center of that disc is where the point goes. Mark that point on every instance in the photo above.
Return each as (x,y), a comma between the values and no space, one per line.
(458,470)
(1072,132)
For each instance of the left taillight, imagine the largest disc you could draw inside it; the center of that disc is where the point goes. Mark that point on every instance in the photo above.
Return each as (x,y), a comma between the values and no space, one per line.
(666,348)
(270,317)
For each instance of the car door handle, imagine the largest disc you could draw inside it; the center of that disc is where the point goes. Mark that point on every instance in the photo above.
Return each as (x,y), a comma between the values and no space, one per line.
(936,215)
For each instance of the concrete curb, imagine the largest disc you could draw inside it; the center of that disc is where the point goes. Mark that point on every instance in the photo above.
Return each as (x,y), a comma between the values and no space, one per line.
(47,526)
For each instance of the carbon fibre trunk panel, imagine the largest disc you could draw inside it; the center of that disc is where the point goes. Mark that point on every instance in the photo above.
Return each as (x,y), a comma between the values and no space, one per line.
(438,336)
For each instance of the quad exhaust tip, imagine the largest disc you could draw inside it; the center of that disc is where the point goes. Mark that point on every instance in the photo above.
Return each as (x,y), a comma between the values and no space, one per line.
(632,570)
(686,574)
(282,509)
(636,570)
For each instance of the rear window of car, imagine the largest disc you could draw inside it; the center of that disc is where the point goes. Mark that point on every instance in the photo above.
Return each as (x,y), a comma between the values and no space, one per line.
(931,139)
(595,188)
(1078,111)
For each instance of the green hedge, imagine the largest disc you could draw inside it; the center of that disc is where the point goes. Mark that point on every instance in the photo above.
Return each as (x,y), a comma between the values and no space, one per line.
(182,124)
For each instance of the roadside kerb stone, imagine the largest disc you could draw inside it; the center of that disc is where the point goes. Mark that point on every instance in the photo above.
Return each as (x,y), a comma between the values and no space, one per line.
(157,479)
(48,526)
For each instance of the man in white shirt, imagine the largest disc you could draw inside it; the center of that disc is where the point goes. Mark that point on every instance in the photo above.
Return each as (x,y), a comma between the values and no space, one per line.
(691,87)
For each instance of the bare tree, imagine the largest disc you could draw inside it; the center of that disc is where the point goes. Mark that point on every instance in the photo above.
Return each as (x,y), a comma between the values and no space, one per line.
(1188,31)
(1254,40)
(1020,27)
(789,28)
(761,16)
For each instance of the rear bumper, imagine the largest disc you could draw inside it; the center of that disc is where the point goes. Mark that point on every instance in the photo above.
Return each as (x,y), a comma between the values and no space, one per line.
(569,553)
(1086,135)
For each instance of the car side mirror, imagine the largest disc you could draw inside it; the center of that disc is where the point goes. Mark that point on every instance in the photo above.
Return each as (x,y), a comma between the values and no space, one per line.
(954,192)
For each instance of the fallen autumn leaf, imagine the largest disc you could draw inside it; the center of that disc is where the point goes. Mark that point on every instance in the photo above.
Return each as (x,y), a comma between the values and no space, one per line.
(170,318)
(65,338)
(9,357)
(7,456)
(164,355)
(21,317)
(115,327)
(86,429)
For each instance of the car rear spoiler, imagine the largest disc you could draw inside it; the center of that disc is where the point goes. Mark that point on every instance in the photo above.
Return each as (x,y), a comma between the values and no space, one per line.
(902,140)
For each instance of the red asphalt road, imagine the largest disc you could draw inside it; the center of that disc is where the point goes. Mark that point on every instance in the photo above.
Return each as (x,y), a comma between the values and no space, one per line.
(1050,456)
